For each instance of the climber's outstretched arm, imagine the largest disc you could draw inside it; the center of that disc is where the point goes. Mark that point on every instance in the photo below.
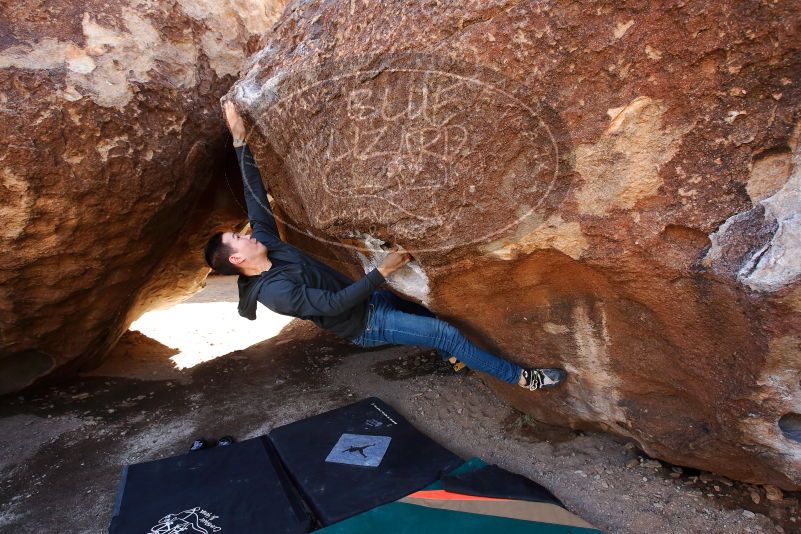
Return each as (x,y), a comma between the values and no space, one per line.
(260,214)
(259,211)
(302,301)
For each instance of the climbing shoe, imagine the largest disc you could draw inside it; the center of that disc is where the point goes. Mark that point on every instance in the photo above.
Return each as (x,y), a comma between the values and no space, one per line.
(224,441)
(548,377)
(201,443)
(456,365)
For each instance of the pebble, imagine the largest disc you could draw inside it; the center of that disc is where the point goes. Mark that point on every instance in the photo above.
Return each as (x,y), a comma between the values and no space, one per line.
(634,462)
(749,514)
(755,496)
(773,493)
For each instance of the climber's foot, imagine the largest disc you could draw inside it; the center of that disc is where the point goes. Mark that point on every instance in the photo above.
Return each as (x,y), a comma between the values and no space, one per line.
(456,364)
(547,377)
(201,443)
(225,441)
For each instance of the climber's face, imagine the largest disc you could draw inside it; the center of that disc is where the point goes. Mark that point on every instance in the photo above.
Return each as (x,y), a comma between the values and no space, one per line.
(245,248)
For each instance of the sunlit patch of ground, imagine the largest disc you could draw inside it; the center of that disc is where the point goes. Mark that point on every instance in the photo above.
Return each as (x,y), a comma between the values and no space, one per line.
(207,325)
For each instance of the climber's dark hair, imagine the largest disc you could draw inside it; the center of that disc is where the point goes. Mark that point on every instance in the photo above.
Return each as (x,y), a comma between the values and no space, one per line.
(217,254)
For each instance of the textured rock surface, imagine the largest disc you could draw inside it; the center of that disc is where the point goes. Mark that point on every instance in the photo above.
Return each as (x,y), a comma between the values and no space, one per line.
(111,134)
(607,188)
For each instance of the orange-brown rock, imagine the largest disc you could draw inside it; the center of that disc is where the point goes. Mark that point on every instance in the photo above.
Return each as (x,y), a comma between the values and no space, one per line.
(111,133)
(609,188)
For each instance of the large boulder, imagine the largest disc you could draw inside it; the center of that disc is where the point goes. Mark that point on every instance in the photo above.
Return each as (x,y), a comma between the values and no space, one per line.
(111,133)
(615,190)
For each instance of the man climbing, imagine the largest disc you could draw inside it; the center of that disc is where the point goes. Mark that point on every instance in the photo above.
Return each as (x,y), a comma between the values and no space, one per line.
(290,282)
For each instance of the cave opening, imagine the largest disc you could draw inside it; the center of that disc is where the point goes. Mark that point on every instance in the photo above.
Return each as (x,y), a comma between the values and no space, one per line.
(790,425)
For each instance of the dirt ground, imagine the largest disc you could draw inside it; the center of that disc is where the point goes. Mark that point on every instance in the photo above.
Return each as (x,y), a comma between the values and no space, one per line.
(63,446)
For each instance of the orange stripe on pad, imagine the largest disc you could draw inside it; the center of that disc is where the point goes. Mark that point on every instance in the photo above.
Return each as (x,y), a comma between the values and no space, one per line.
(442,495)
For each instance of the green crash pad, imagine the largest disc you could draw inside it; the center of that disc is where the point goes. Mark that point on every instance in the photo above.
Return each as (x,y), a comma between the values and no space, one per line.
(433,510)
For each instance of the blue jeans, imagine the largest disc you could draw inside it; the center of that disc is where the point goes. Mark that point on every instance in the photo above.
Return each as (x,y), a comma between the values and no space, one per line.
(392,320)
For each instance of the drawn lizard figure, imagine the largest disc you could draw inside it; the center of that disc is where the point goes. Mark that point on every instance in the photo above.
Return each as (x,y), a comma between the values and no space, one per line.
(360,449)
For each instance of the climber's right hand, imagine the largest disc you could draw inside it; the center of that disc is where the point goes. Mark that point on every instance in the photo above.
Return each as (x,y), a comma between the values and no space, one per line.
(396,259)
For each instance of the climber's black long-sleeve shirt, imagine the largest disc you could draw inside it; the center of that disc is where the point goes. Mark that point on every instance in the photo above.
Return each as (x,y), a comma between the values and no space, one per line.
(297,284)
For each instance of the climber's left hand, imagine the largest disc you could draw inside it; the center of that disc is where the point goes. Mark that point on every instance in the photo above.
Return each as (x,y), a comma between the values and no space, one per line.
(235,123)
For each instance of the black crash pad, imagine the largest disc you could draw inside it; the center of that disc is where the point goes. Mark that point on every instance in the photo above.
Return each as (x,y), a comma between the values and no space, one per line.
(237,488)
(354,458)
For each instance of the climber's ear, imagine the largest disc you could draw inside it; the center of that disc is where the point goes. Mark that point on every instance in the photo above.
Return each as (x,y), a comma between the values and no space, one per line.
(236,259)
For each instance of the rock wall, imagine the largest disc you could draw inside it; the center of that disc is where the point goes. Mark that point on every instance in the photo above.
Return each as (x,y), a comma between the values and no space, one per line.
(111,132)
(611,188)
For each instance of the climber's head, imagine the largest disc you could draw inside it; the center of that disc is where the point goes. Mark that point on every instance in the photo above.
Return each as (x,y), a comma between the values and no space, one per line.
(233,252)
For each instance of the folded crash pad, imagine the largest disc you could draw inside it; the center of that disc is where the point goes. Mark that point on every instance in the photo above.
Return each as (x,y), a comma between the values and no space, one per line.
(357,457)
(493,481)
(494,500)
(237,488)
